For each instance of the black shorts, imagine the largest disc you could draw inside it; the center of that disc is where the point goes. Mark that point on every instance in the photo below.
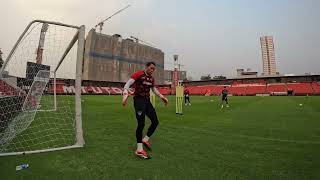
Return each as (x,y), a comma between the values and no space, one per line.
(224,98)
(144,107)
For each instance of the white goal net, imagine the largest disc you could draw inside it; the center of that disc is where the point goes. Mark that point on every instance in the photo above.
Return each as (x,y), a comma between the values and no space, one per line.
(35,114)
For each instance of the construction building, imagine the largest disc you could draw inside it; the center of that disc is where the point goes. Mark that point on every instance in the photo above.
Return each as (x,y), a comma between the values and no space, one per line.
(113,59)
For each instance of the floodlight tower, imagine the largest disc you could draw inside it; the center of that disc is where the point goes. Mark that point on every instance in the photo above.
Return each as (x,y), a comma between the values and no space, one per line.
(40,48)
(1,61)
(175,78)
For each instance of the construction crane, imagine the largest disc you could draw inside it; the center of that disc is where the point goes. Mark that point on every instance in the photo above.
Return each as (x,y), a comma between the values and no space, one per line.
(144,42)
(100,24)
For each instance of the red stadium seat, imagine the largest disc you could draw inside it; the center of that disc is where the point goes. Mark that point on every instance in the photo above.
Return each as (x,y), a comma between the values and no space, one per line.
(256,89)
(7,90)
(300,88)
(165,90)
(278,87)
(237,90)
(315,87)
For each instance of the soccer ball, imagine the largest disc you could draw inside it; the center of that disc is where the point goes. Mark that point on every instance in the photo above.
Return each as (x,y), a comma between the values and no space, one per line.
(300,104)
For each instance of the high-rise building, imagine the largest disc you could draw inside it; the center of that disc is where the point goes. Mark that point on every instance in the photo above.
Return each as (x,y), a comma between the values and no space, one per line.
(268,55)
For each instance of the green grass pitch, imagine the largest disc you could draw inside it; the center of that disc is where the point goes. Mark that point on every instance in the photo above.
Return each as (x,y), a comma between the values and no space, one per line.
(255,138)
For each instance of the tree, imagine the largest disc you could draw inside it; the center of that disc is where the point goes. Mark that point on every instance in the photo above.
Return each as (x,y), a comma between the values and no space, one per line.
(205,77)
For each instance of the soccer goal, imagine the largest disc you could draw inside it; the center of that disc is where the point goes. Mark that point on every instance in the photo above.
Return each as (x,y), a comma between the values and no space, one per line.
(35,115)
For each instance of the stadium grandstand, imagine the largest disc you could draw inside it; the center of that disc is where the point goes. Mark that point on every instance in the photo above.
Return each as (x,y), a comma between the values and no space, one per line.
(280,85)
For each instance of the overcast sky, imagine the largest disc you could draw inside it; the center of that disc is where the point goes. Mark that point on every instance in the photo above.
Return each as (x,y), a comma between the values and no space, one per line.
(211,36)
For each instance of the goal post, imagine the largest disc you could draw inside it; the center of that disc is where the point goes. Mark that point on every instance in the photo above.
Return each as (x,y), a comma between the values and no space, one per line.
(35,116)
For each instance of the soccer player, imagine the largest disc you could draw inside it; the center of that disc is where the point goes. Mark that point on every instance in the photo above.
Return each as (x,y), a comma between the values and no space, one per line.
(224,94)
(186,96)
(143,82)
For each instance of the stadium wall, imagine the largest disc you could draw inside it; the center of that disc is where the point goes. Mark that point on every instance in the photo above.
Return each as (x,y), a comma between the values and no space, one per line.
(301,85)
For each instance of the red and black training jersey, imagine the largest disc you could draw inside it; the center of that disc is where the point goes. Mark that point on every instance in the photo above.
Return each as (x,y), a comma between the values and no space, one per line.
(142,83)
(186,91)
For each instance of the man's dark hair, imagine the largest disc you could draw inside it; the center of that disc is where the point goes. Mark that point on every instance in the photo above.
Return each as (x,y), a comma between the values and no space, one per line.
(149,63)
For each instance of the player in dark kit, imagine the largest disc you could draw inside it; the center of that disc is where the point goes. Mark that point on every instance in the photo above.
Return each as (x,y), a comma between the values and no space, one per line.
(186,96)
(224,94)
(142,82)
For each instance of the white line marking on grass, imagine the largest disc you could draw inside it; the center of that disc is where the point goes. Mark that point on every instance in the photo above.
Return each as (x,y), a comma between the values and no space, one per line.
(246,136)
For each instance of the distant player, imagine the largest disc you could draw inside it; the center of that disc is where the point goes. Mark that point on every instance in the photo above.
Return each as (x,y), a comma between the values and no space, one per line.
(186,96)
(143,82)
(224,95)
